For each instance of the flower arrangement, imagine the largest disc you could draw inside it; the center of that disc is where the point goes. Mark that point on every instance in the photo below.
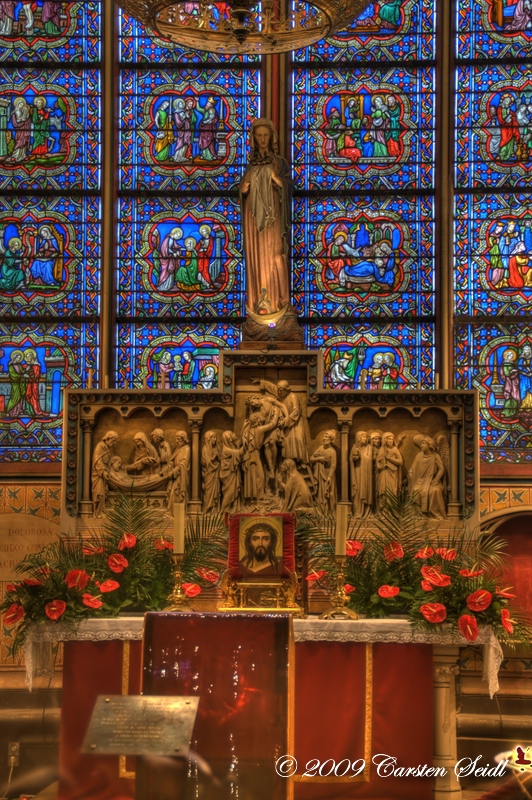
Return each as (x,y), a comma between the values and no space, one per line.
(126,566)
(405,569)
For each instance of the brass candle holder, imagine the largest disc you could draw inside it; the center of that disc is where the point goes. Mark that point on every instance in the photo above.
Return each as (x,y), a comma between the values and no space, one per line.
(338,595)
(177,599)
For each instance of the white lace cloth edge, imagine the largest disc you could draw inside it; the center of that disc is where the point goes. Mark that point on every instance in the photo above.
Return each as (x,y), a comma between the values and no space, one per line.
(37,655)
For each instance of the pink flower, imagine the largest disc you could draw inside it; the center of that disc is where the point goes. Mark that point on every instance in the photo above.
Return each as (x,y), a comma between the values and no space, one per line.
(109,586)
(479,600)
(425,552)
(13,614)
(506,621)
(316,575)
(117,563)
(127,541)
(91,601)
(353,547)
(388,591)
(191,589)
(446,554)
(77,579)
(468,627)
(392,551)
(471,573)
(434,612)
(55,608)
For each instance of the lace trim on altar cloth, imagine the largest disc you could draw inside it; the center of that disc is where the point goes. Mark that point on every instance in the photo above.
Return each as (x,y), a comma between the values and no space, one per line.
(39,642)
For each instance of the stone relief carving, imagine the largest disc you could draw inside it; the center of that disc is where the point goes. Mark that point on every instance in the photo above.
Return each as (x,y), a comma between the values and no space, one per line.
(325,460)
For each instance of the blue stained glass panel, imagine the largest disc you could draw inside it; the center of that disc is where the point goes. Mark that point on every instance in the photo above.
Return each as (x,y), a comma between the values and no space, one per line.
(496,359)
(185,130)
(50,129)
(363,128)
(157,356)
(180,259)
(366,356)
(363,257)
(493,29)
(50,31)
(493,119)
(37,362)
(49,256)
(139,44)
(389,31)
(493,255)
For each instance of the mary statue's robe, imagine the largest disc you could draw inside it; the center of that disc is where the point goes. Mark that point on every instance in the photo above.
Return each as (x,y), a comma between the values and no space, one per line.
(265,220)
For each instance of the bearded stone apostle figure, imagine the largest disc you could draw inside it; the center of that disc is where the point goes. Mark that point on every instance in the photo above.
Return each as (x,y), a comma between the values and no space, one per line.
(265,206)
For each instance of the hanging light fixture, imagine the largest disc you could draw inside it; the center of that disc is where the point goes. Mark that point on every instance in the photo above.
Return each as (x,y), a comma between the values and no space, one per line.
(245,26)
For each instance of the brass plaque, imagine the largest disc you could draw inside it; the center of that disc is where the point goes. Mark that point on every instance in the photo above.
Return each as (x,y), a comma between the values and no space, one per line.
(141,726)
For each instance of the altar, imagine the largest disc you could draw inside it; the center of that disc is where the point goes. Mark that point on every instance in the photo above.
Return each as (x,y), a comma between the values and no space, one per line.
(355,685)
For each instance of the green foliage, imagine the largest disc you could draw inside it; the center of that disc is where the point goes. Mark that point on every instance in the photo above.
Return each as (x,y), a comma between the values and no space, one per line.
(126,565)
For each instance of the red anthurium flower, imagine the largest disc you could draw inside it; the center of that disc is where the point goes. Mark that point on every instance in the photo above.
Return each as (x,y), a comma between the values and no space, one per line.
(11,587)
(388,591)
(13,614)
(45,570)
(315,575)
(446,554)
(392,551)
(32,582)
(91,601)
(127,541)
(77,579)
(427,586)
(191,589)
(209,575)
(468,627)
(117,563)
(425,552)
(504,592)
(506,621)
(435,577)
(109,586)
(348,588)
(434,612)
(353,547)
(55,608)
(161,544)
(90,549)
(471,573)
(479,600)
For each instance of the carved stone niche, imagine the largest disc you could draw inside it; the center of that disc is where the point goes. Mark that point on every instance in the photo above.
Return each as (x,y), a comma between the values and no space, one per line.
(270,439)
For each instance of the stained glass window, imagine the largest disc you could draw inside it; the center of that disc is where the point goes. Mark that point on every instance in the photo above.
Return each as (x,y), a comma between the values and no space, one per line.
(363,153)
(50,211)
(493,221)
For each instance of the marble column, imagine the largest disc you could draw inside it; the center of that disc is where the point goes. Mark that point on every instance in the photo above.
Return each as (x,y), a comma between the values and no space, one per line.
(445,657)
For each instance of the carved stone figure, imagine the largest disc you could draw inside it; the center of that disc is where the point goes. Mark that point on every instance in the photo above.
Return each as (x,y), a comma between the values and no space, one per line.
(230,476)
(210,470)
(179,475)
(265,193)
(324,460)
(361,469)
(389,469)
(164,451)
(294,445)
(297,495)
(101,464)
(254,434)
(426,479)
(143,459)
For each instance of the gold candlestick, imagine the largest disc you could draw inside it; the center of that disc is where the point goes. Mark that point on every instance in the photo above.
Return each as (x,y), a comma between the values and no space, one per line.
(177,599)
(338,595)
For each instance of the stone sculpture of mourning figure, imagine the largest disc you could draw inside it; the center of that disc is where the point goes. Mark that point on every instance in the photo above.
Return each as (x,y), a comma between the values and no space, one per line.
(361,473)
(210,470)
(179,474)
(426,479)
(101,465)
(324,460)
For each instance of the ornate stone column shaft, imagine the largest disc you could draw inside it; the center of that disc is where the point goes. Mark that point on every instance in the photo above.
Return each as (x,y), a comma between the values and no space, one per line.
(87,426)
(447,787)
(454,509)
(194,506)
(344,461)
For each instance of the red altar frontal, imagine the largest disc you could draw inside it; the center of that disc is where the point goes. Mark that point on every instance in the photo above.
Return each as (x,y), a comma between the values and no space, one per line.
(361,689)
